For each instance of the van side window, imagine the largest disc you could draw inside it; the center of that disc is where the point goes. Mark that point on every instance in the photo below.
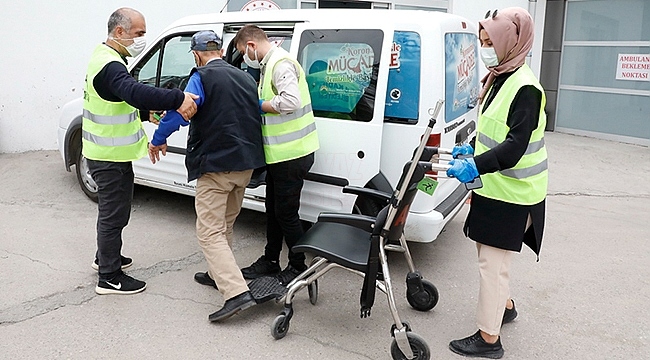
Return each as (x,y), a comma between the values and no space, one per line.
(341,67)
(167,64)
(403,93)
(461,74)
(146,70)
(177,61)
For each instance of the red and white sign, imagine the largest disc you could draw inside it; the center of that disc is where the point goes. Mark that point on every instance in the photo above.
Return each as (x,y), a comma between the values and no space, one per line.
(257,5)
(635,67)
(261,5)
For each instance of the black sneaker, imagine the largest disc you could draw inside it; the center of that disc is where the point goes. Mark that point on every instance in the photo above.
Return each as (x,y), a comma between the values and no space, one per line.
(126,262)
(121,284)
(261,267)
(288,274)
(475,346)
(509,314)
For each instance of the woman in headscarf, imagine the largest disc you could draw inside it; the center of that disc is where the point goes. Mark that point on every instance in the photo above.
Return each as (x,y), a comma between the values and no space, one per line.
(510,158)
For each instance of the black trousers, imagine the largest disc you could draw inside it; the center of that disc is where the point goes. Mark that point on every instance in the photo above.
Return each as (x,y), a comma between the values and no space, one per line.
(284,183)
(115,192)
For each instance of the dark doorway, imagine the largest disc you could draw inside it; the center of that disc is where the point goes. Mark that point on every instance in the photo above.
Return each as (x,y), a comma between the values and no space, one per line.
(333,4)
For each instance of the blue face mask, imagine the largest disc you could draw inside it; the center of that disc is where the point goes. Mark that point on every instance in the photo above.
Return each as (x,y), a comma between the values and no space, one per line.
(489,56)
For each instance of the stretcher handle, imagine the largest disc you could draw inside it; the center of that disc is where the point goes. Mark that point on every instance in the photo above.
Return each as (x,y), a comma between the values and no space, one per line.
(418,153)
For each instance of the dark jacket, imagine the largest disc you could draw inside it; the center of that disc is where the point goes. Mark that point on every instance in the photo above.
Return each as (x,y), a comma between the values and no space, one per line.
(226,132)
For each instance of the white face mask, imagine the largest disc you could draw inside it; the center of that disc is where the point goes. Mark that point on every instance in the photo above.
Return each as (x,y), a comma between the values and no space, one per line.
(139,43)
(489,56)
(255,64)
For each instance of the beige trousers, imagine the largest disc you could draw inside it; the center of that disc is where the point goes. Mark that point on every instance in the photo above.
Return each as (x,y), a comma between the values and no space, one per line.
(494,290)
(494,286)
(218,201)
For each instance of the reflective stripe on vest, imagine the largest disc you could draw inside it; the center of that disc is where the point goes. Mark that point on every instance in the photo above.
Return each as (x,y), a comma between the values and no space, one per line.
(111,131)
(114,141)
(518,173)
(526,182)
(282,118)
(296,135)
(110,120)
(287,136)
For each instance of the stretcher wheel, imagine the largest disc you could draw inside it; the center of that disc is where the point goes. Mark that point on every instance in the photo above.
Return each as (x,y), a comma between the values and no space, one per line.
(418,346)
(280,326)
(424,300)
(313,292)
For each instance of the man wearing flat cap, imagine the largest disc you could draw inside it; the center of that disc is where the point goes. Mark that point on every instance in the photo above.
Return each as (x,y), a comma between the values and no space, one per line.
(223,148)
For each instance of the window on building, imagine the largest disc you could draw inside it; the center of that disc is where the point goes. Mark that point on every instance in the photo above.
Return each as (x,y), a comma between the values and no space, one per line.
(604,87)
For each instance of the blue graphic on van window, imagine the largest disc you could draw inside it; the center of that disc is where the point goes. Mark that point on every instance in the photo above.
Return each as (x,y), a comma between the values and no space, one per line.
(461,75)
(403,94)
(337,74)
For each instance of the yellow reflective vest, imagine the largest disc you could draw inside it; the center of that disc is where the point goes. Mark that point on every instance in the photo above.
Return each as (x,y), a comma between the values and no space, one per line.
(287,136)
(526,182)
(111,131)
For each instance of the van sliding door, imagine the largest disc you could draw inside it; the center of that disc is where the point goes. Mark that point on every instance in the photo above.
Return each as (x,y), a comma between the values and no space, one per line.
(346,69)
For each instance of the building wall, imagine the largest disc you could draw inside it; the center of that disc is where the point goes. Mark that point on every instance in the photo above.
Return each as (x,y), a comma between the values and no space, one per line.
(47,44)
(46,47)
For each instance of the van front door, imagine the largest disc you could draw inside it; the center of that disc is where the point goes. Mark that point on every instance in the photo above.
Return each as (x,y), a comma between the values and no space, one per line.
(346,66)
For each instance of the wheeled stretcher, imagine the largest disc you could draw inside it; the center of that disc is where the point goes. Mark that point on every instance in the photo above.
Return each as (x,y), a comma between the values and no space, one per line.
(358,243)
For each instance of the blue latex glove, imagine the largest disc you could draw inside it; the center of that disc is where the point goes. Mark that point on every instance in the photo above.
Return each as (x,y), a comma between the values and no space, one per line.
(463,169)
(261,111)
(465,149)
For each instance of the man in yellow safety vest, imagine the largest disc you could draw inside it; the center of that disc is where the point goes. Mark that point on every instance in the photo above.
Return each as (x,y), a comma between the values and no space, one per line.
(290,140)
(113,137)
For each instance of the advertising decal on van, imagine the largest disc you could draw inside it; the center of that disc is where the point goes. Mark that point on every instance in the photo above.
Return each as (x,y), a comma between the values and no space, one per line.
(339,73)
(461,77)
(404,77)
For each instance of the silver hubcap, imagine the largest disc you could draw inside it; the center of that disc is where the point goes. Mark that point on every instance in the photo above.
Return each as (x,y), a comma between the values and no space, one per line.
(87,180)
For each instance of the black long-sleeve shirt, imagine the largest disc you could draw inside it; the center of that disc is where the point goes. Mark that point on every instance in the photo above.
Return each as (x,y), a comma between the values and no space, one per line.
(114,83)
(523,118)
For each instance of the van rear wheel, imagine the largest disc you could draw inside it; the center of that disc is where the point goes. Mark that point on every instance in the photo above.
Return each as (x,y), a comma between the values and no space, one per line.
(86,182)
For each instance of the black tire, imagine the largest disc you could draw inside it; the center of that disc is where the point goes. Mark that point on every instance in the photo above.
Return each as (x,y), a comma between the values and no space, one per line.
(418,346)
(280,327)
(425,300)
(312,289)
(86,182)
(365,206)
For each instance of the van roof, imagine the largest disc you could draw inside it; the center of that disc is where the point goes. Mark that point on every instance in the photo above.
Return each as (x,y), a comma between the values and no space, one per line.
(329,16)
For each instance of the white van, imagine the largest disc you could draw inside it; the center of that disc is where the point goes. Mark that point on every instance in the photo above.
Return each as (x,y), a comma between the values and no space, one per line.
(374,76)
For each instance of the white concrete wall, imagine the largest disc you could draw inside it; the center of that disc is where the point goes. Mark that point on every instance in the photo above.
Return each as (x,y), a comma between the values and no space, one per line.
(46,46)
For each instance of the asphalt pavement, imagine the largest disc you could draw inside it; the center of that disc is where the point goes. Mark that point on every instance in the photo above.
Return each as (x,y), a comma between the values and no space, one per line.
(587,298)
